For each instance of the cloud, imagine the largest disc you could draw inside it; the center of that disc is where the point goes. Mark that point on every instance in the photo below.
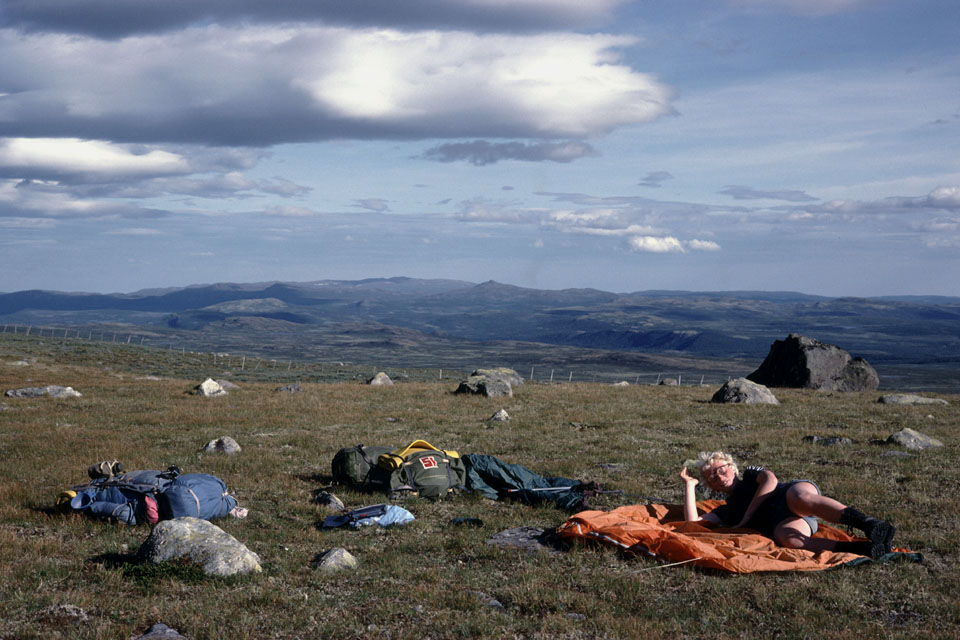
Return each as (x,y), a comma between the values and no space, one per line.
(90,159)
(703,245)
(655,178)
(373,204)
(653,244)
(481,152)
(111,19)
(946,198)
(290,212)
(748,193)
(134,231)
(258,86)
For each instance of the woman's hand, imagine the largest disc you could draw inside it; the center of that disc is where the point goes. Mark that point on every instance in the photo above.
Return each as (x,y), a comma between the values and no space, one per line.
(687,478)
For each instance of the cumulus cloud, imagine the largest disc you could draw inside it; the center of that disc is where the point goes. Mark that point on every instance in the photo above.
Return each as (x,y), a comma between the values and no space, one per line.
(655,178)
(654,244)
(481,152)
(946,198)
(72,157)
(111,19)
(749,193)
(256,85)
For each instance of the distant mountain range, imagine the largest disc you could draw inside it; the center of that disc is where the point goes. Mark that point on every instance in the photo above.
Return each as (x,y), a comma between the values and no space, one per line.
(415,316)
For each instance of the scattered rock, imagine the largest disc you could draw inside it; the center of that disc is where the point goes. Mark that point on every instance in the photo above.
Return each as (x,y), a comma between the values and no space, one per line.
(527,538)
(328,500)
(487,600)
(53,391)
(807,363)
(209,388)
(909,398)
(199,541)
(380,380)
(668,382)
(65,614)
(622,383)
(828,441)
(334,560)
(293,387)
(19,363)
(161,631)
(500,416)
(484,386)
(910,439)
(226,445)
(744,391)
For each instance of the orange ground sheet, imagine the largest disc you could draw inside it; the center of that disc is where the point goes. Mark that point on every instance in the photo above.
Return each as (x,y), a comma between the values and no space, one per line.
(658,530)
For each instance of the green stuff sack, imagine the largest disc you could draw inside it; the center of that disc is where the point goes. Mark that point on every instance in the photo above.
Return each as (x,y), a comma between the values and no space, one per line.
(429,474)
(357,467)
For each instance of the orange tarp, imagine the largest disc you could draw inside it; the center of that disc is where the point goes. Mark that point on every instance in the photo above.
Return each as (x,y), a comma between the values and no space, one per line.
(658,530)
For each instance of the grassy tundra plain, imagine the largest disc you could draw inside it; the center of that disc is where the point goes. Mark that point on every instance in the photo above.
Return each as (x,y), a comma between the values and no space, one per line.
(70,577)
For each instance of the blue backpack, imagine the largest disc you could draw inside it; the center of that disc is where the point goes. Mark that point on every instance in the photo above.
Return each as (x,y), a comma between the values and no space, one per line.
(199,495)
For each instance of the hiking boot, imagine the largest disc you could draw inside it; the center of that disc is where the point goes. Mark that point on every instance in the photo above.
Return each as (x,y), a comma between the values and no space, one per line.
(879,531)
(861,548)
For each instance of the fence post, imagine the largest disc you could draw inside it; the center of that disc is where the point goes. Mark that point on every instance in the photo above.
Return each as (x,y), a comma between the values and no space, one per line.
(531,374)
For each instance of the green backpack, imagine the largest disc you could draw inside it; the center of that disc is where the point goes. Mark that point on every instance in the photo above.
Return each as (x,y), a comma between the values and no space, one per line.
(357,467)
(428,473)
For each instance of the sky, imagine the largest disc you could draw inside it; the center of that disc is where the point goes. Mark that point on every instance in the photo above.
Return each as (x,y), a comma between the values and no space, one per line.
(707,145)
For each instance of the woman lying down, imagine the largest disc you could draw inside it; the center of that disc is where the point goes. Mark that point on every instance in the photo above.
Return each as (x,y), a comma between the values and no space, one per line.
(784,511)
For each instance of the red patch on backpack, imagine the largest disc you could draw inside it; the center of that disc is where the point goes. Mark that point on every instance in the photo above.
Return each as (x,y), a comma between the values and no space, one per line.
(429,462)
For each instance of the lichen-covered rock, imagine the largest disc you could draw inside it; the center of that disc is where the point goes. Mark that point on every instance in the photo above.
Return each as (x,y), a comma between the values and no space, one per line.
(911,439)
(806,363)
(500,416)
(209,388)
(199,541)
(380,380)
(161,631)
(334,560)
(743,391)
(52,391)
(226,445)
(909,398)
(828,441)
(509,376)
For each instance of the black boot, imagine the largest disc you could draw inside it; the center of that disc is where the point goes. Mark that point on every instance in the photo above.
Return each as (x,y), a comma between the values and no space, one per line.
(861,548)
(879,531)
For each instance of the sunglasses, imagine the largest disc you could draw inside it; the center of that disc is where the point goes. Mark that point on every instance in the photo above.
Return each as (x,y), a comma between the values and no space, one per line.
(715,472)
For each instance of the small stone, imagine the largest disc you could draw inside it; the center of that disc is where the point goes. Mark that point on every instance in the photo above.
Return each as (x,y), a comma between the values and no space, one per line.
(828,441)
(910,399)
(334,560)
(500,416)
(332,502)
(226,445)
(290,388)
(161,631)
(209,388)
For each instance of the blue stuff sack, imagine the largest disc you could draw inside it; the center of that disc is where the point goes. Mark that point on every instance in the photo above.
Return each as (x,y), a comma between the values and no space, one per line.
(198,495)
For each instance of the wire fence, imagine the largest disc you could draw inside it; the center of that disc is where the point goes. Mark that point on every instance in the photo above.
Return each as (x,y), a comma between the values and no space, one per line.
(168,354)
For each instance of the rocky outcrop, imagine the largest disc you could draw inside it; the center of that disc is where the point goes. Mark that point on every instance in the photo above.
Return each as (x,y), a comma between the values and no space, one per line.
(334,560)
(199,541)
(52,391)
(509,376)
(910,439)
(226,445)
(807,363)
(743,391)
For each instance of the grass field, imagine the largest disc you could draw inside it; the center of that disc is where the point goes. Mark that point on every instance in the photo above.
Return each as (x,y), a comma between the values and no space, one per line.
(70,577)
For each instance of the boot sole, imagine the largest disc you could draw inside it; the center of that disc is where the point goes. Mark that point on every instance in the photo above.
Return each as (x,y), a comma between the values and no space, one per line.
(881,535)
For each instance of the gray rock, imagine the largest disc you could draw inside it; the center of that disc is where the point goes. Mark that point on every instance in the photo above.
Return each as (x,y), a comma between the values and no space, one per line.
(161,631)
(500,416)
(744,391)
(622,383)
(911,439)
(380,380)
(484,386)
(806,363)
(226,445)
(53,391)
(909,398)
(509,376)
(209,388)
(199,541)
(227,385)
(332,502)
(669,382)
(293,387)
(828,441)
(334,560)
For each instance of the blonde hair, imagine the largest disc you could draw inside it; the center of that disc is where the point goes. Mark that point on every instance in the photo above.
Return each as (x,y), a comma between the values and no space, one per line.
(708,459)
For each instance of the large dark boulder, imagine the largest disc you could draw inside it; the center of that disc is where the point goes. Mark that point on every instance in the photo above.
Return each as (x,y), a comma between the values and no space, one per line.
(807,363)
